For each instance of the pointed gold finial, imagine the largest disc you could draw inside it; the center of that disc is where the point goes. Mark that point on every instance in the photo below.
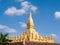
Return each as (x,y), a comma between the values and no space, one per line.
(30,23)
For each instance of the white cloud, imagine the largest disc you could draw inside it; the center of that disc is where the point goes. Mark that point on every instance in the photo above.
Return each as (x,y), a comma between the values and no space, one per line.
(13,10)
(26,4)
(57,14)
(22,24)
(10,11)
(26,7)
(7,29)
(54,35)
(33,8)
(20,12)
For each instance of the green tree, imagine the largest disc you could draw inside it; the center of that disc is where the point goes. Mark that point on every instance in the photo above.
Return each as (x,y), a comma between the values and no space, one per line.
(3,39)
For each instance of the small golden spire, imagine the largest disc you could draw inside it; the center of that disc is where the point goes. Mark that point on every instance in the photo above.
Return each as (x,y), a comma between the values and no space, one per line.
(30,23)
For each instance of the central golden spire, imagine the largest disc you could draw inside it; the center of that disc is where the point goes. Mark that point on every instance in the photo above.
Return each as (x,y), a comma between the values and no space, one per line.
(30,23)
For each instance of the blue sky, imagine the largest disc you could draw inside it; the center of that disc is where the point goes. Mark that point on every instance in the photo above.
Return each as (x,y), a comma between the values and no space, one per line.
(45,13)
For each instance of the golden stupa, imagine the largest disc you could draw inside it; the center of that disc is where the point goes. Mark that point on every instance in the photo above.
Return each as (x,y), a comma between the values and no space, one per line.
(31,35)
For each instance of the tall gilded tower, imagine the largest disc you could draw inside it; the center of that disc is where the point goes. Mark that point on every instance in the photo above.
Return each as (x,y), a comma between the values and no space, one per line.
(31,34)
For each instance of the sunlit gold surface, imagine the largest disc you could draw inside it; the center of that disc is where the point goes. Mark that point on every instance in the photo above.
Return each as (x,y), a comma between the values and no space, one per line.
(31,35)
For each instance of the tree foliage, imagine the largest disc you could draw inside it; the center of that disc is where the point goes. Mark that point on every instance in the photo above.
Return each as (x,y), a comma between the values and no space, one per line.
(3,39)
